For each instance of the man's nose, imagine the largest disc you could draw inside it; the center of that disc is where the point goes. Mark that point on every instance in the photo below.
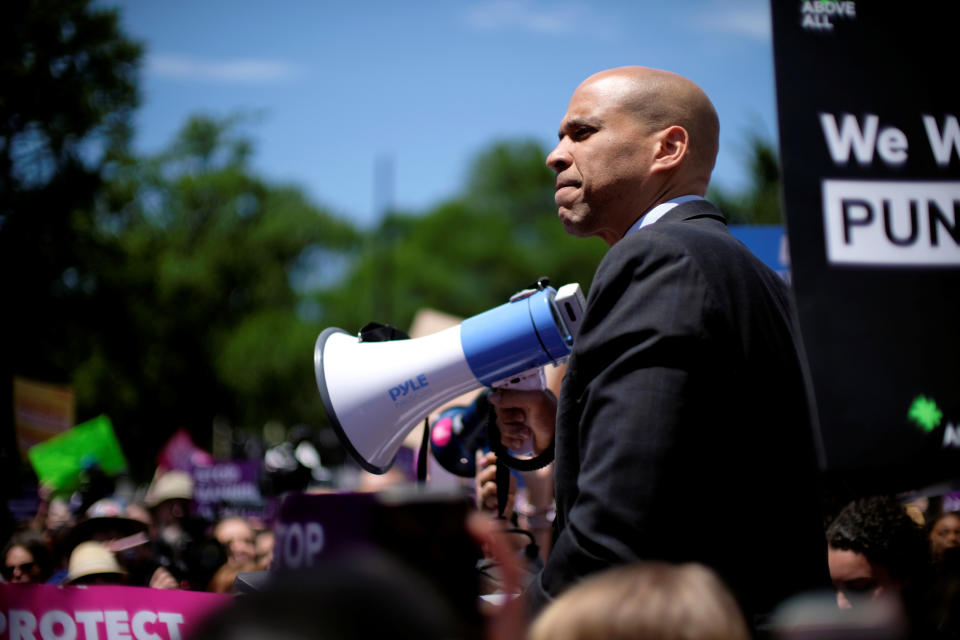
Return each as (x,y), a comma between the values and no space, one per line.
(559,159)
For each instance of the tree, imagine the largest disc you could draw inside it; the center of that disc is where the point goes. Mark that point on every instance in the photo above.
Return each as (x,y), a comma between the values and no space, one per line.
(759,202)
(68,81)
(470,253)
(194,314)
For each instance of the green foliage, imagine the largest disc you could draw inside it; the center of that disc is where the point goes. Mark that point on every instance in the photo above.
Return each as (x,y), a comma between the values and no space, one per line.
(759,203)
(67,79)
(66,72)
(194,314)
(512,178)
(68,84)
(468,254)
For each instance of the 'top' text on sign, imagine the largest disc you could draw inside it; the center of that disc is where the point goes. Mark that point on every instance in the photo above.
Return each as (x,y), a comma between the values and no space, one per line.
(905,223)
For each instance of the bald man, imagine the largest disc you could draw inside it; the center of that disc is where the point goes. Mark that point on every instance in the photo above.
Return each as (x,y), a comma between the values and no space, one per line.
(682,432)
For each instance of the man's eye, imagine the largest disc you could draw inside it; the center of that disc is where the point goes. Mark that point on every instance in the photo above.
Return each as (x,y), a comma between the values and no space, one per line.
(581,133)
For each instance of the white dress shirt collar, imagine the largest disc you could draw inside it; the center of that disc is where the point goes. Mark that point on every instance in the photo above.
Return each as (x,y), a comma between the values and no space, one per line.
(658,212)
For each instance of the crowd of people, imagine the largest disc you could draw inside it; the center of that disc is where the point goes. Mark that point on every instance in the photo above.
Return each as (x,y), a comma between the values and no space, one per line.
(148,539)
(894,565)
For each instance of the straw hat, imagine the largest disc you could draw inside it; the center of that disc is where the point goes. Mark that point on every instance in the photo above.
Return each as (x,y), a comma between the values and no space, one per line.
(92,558)
(168,486)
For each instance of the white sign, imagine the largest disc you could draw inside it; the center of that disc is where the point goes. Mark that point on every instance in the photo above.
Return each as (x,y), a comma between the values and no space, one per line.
(897,222)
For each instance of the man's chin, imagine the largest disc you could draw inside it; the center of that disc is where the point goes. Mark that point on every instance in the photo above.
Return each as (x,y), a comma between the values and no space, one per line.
(572,223)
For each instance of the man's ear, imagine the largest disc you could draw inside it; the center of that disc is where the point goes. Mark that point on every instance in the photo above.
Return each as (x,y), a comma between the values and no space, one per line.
(673,143)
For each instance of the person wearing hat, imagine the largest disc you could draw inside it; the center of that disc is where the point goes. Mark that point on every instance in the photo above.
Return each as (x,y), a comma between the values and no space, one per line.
(107,521)
(91,563)
(126,533)
(168,499)
(181,547)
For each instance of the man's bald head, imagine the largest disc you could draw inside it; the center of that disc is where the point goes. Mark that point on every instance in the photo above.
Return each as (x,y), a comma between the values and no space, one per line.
(631,138)
(661,99)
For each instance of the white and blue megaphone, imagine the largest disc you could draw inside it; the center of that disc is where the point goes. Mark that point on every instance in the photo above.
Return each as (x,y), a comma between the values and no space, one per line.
(376,392)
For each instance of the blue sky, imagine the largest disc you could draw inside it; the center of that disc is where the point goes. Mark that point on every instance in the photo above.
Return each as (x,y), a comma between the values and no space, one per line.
(338,89)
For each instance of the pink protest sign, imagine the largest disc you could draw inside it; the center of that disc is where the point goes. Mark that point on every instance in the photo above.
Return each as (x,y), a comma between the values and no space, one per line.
(48,612)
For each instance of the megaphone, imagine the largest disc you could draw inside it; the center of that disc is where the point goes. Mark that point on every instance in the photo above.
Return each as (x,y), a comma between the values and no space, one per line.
(375,392)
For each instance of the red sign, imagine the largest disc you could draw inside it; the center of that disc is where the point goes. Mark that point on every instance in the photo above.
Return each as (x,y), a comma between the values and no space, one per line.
(48,612)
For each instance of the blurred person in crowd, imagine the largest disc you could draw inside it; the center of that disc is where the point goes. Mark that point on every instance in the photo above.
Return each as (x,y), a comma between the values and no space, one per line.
(168,498)
(485,485)
(236,536)
(55,519)
(372,482)
(874,548)
(27,558)
(941,598)
(263,544)
(140,559)
(641,601)
(112,524)
(138,511)
(353,596)
(192,563)
(106,521)
(59,520)
(523,541)
(686,356)
(91,563)
(944,534)
(180,543)
(54,515)
(225,579)
(815,616)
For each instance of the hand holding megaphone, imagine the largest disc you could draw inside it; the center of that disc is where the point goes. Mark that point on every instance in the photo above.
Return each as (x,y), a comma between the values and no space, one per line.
(525,416)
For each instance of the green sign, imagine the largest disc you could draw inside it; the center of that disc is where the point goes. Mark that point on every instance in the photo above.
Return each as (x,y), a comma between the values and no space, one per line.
(59,461)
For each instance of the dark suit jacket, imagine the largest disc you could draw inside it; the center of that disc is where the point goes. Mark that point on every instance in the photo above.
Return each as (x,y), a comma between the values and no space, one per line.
(683,430)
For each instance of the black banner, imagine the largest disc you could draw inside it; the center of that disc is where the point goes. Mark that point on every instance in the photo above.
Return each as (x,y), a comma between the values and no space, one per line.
(870,149)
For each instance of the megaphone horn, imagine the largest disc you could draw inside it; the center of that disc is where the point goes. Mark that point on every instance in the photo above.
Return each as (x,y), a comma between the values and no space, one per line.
(376,392)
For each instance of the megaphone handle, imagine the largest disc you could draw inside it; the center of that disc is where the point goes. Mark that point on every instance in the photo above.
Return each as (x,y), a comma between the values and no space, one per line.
(503,456)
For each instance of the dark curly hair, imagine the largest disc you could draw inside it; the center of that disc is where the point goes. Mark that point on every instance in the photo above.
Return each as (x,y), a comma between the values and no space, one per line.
(880,528)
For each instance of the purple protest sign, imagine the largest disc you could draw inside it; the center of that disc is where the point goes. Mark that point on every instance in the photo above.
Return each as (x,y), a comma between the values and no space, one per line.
(951,502)
(227,488)
(422,528)
(312,526)
(49,612)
